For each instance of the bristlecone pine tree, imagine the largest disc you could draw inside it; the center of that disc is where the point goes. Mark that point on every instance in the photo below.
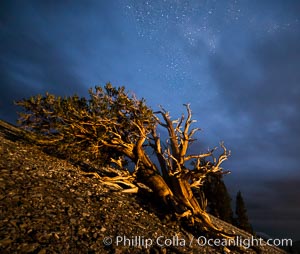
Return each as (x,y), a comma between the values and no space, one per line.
(114,125)
(242,220)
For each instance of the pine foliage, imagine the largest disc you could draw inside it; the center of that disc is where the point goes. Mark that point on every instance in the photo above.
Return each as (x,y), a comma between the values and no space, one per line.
(113,125)
(218,198)
(242,220)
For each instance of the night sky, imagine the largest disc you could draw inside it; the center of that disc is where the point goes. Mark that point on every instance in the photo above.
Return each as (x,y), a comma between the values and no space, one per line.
(236,62)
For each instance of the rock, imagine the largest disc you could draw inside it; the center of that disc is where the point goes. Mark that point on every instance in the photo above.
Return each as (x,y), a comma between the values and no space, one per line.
(42,251)
(28,248)
(48,206)
(5,242)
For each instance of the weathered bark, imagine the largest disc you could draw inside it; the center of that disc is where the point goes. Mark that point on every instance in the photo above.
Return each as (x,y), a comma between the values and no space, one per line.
(182,191)
(156,183)
(113,120)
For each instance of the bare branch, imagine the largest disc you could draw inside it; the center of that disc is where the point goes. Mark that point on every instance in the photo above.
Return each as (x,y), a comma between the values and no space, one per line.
(178,166)
(193,131)
(179,124)
(158,152)
(200,172)
(172,134)
(185,134)
(224,156)
(200,156)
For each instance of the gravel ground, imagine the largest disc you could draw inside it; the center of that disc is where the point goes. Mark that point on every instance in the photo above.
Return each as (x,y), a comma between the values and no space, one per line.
(47,205)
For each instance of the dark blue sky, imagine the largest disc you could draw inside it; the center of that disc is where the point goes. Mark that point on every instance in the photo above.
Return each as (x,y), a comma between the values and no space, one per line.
(236,62)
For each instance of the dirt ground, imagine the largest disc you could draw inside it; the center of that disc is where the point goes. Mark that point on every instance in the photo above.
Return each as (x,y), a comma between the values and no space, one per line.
(48,205)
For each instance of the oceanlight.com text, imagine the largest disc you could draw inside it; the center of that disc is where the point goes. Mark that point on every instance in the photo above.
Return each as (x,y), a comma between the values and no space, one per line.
(243,242)
(176,241)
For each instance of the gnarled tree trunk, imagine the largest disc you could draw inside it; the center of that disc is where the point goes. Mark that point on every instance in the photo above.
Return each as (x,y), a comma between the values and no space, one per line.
(111,119)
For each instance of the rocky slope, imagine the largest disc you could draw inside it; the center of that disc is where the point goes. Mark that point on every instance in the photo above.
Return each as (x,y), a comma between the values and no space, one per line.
(48,205)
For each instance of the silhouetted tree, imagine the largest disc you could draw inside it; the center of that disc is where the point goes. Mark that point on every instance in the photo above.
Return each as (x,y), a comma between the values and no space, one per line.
(242,220)
(111,120)
(218,198)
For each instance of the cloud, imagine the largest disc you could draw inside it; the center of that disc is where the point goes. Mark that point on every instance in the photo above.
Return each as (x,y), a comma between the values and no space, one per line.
(30,61)
(44,46)
(260,91)
(259,100)
(273,208)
